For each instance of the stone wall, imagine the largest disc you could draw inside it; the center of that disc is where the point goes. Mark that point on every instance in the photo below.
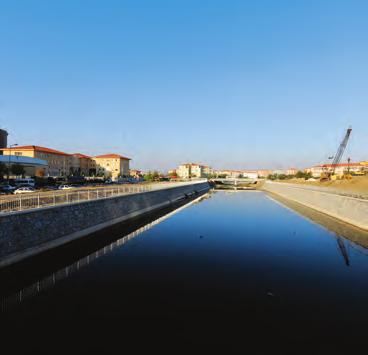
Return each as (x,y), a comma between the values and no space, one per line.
(30,232)
(348,209)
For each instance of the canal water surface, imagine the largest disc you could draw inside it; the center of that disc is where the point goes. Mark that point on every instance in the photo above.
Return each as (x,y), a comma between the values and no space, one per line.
(236,271)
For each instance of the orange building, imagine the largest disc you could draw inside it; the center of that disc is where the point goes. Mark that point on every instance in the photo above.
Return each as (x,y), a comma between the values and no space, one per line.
(112,165)
(59,163)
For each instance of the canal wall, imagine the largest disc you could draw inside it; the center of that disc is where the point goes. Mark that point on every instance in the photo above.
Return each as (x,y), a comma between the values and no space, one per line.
(345,208)
(27,233)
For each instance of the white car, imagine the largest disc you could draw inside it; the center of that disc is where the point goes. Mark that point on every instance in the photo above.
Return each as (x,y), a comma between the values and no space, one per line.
(65,187)
(24,190)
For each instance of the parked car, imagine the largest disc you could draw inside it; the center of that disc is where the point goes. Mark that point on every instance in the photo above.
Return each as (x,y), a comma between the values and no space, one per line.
(24,190)
(65,187)
(8,189)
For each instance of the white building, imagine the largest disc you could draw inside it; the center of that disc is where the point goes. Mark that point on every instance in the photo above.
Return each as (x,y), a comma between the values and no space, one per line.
(193,170)
(250,174)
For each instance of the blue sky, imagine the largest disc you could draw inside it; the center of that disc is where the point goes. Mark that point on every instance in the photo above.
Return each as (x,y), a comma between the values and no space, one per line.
(234,84)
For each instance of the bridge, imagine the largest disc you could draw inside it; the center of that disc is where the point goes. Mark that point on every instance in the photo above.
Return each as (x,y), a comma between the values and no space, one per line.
(235,181)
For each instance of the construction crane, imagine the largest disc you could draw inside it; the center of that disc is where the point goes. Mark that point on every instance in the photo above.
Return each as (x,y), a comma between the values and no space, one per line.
(337,158)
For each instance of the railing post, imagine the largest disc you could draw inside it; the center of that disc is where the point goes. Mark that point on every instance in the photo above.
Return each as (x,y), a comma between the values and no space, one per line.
(78,196)
(38,201)
(54,199)
(20,203)
(88,195)
(97,193)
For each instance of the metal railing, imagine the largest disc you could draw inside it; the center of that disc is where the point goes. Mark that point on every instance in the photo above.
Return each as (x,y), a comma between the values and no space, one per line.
(39,200)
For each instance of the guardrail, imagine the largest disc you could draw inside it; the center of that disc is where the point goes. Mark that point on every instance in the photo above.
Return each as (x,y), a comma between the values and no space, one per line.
(40,200)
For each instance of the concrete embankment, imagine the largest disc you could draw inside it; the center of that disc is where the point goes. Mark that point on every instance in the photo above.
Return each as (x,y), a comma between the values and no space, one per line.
(31,232)
(345,208)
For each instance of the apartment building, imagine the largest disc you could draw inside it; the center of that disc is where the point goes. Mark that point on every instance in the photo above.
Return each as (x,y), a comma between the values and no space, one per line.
(64,164)
(112,165)
(264,173)
(135,173)
(83,165)
(58,163)
(193,170)
(291,171)
(250,174)
(317,170)
(207,171)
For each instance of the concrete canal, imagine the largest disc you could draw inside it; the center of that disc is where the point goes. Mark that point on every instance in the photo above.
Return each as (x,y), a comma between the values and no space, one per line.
(234,271)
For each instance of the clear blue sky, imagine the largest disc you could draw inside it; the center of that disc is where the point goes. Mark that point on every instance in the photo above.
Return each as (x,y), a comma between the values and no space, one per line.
(234,84)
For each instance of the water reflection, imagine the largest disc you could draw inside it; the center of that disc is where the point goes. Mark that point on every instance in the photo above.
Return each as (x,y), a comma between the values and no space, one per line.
(343,232)
(232,271)
(10,301)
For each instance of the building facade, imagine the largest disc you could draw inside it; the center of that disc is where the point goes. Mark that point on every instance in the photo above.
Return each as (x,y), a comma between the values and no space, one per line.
(58,163)
(112,165)
(63,164)
(291,171)
(193,170)
(135,173)
(340,169)
(250,174)
(264,173)
(83,165)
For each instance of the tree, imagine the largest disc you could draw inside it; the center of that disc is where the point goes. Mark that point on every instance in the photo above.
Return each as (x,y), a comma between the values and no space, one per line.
(300,174)
(148,176)
(17,169)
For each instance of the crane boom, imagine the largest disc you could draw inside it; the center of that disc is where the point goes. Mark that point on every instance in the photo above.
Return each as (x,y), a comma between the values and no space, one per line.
(341,150)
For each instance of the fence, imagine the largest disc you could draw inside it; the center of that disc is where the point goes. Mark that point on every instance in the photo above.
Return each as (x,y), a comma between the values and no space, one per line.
(45,199)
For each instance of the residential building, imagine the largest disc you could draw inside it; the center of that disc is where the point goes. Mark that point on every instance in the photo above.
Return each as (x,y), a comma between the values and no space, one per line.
(291,171)
(229,173)
(264,173)
(82,165)
(279,172)
(196,171)
(207,171)
(191,170)
(250,174)
(58,163)
(184,171)
(135,173)
(112,165)
(317,170)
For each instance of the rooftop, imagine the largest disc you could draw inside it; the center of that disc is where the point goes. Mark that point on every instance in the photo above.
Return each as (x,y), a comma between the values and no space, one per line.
(109,156)
(80,155)
(37,149)
(337,165)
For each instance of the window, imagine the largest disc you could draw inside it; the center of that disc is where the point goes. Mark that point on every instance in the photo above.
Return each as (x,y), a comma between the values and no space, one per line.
(18,153)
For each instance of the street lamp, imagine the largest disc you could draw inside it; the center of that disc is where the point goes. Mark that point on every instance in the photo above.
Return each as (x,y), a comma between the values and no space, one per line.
(10,147)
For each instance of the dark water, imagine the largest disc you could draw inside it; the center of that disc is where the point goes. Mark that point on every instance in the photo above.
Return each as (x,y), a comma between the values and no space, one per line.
(236,272)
